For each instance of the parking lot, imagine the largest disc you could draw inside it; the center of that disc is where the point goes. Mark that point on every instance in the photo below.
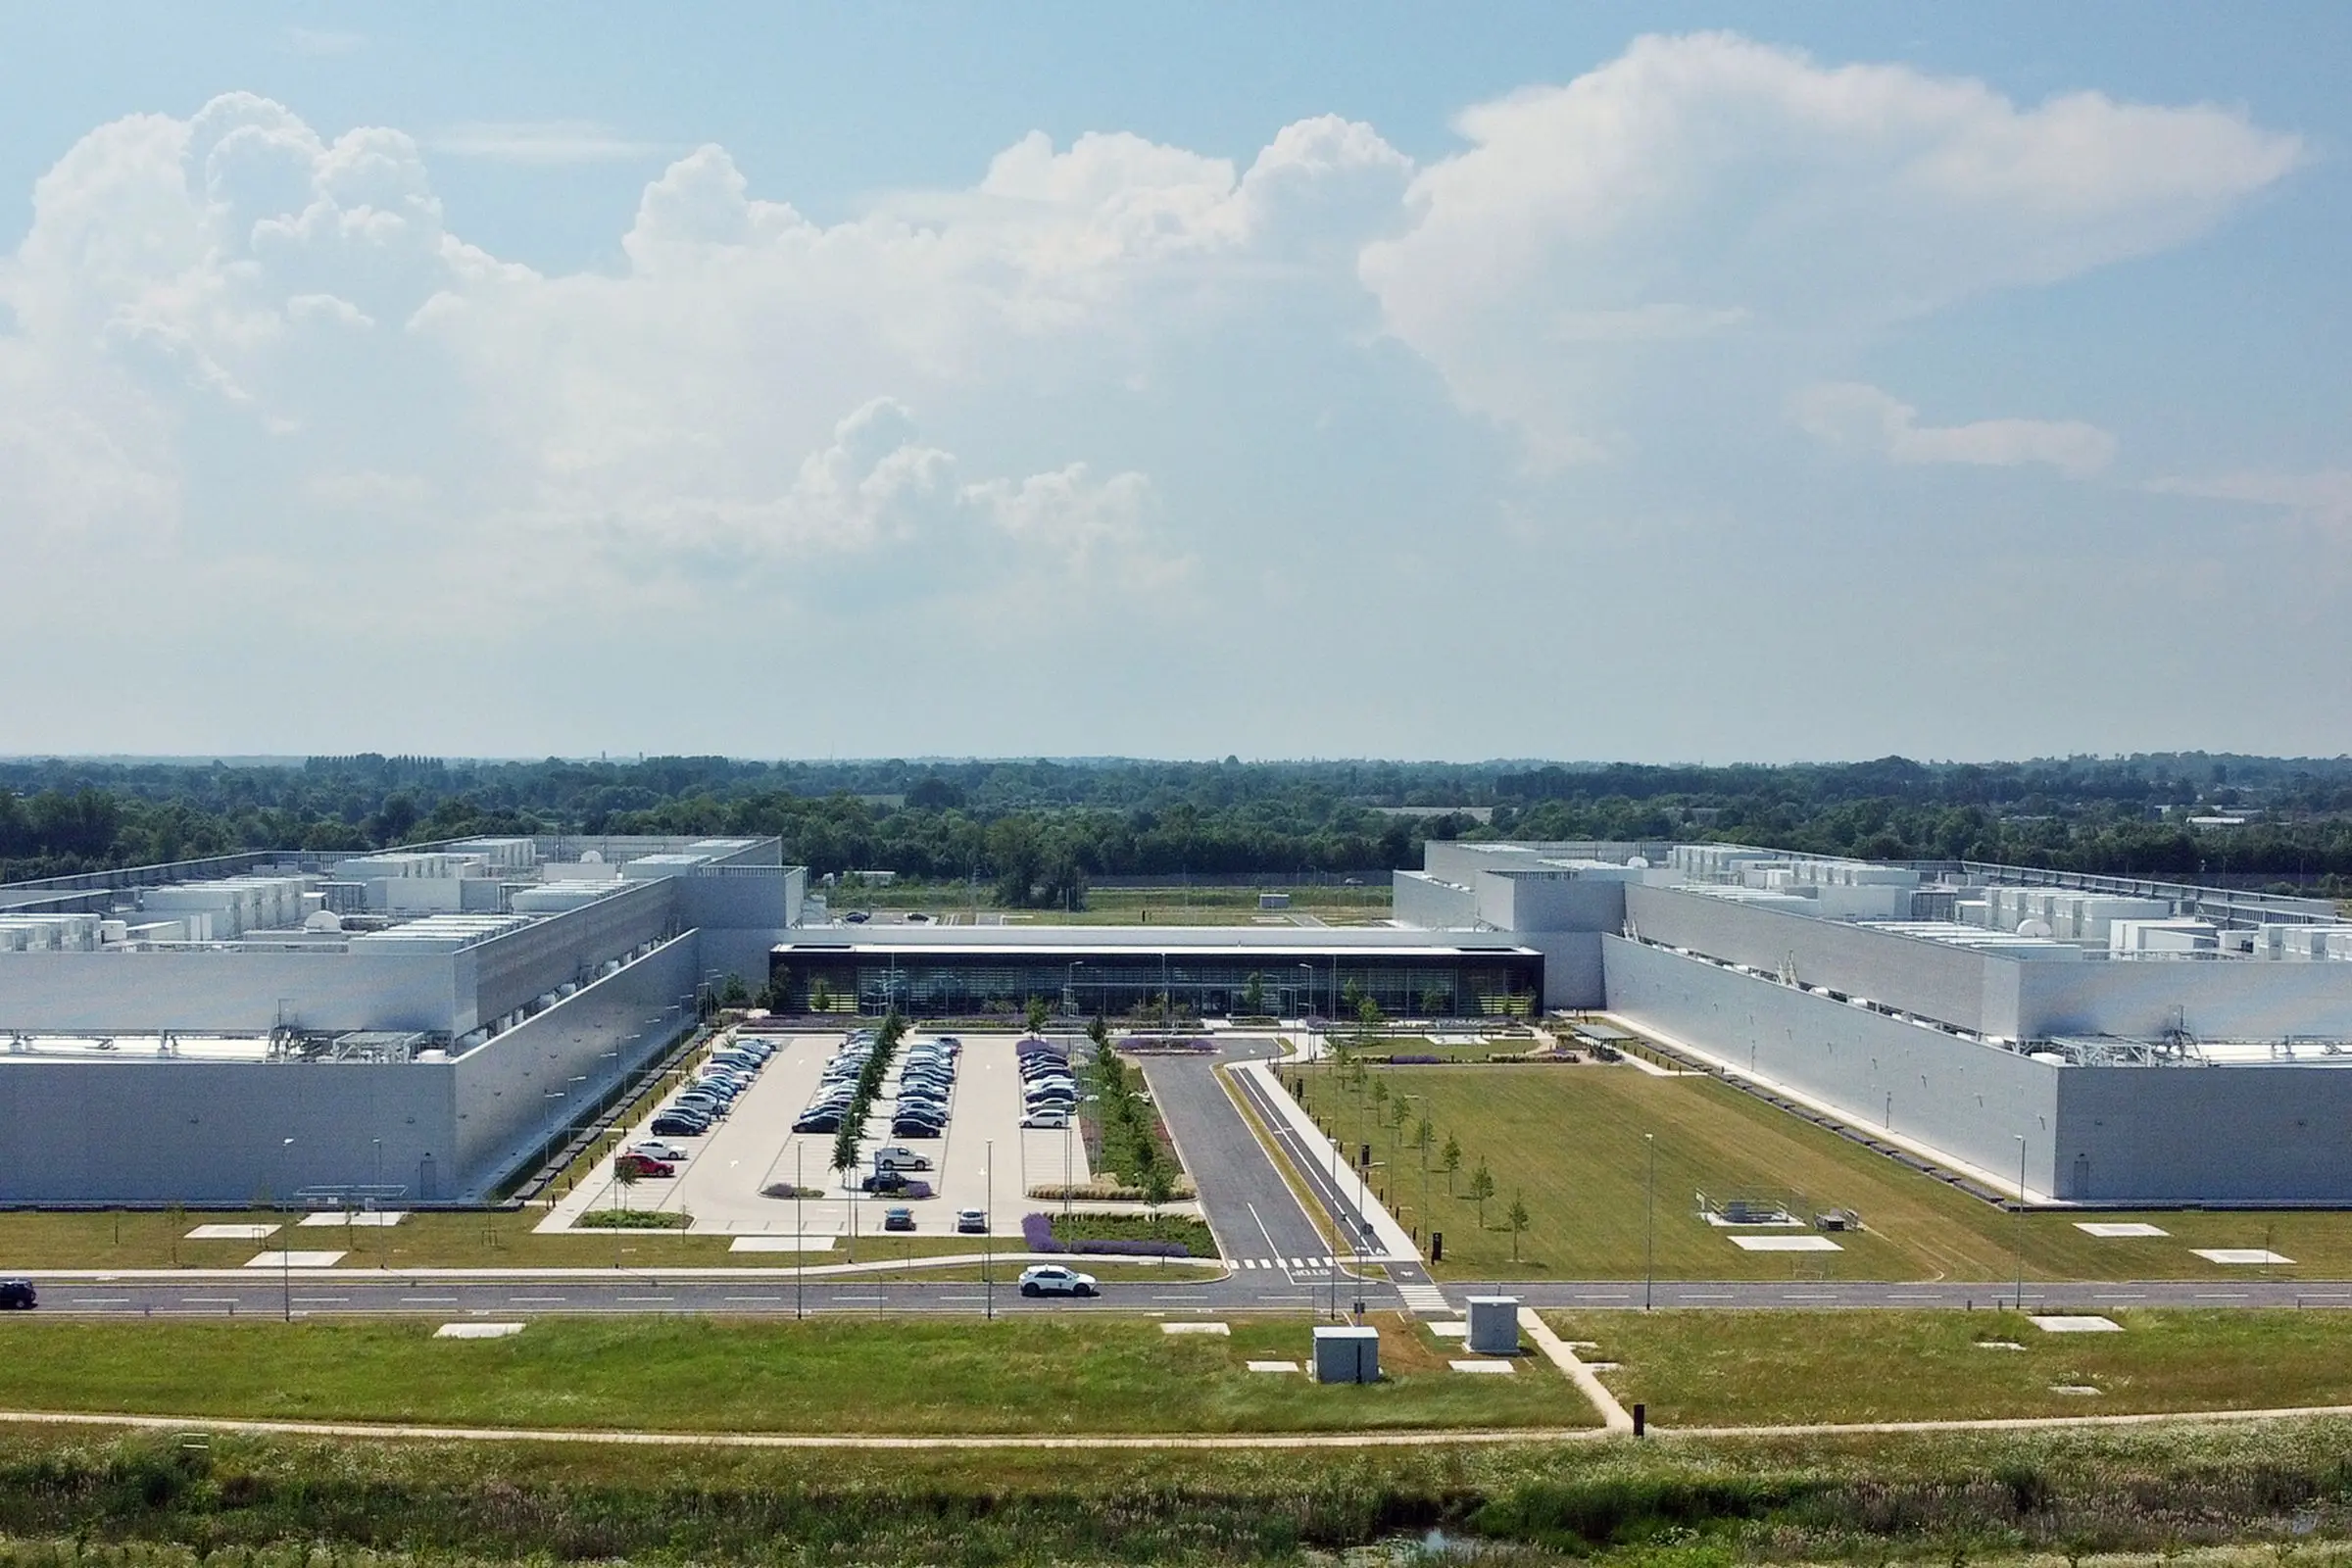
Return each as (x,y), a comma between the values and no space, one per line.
(721,1181)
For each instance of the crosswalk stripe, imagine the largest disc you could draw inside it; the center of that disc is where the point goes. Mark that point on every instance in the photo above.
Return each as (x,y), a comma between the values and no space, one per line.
(1422,1297)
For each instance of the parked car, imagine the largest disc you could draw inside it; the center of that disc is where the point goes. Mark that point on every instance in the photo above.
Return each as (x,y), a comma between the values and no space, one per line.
(891,1183)
(675,1125)
(971,1221)
(917,917)
(18,1295)
(1053,1279)
(1052,1121)
(817,1121)
(903,1127)
(901,1159)
(655,1148)
(643,1166)
(898,1219)
(856,917)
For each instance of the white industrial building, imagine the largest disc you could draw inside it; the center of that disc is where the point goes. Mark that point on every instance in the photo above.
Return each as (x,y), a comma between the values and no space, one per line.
(412,1026)
(2126,1040)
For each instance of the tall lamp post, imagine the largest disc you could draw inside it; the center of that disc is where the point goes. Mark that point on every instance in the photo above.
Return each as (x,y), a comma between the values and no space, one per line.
(800,1229)
(2021,1220)
(988,1227)
(1649,1224)
(285,1239)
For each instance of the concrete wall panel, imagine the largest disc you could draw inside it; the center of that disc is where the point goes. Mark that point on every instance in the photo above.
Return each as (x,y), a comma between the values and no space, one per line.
(1956,1095)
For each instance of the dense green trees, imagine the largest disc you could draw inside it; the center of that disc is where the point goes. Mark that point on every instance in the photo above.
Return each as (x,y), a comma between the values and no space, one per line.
(1038,832)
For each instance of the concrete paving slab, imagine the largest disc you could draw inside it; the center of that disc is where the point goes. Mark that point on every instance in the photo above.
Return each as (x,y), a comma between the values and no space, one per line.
(1784,1244)
(294,1259)
(2240,1254)
(1195,1328)
(2071,1387)
(476,1331)
(365,1219)
(232,1232)
(782,1243)
(2114,1230)
(1272,1366)
(1481,1366)
(2074,1323)
(1450,1331)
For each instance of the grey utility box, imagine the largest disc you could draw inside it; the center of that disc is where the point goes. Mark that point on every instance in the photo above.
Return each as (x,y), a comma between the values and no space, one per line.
(1348,1354)
(1493,1325)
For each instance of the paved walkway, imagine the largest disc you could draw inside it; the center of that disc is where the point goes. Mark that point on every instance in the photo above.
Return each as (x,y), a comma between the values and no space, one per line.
(1613,1415)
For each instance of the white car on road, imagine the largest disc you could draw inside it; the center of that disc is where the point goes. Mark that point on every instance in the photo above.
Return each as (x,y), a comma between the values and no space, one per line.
(1052,1278)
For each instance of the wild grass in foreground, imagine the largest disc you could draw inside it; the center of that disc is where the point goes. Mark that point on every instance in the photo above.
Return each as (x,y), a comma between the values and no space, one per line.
(2052,1497)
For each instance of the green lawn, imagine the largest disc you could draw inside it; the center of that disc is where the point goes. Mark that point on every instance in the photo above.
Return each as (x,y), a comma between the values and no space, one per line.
(1763,1368)
(487,1240)
(1571,1140)
(1060,1374)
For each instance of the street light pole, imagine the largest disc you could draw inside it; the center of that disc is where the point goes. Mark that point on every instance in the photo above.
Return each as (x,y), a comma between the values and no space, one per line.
(988,1227)
(800,1229)
(1650,1225)
(2021,1220)
(285,1239)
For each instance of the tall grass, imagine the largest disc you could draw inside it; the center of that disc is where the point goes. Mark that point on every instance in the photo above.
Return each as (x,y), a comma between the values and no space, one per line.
(162,1501)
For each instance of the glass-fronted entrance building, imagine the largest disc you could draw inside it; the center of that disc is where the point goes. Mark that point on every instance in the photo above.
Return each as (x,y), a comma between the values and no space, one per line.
(1205,979)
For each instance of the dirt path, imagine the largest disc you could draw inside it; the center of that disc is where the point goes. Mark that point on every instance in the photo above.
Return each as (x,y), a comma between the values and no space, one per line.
(1111,1440)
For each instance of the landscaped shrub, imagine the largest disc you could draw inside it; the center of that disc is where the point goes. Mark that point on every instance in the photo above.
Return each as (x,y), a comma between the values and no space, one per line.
(1414,1060)
(1038,1231)
(1117,1248)
(636,1219)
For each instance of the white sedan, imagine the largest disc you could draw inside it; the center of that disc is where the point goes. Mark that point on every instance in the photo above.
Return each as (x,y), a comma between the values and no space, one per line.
(1052,1278)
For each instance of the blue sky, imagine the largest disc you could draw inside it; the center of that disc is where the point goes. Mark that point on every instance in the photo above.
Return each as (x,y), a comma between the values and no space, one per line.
(1696,382)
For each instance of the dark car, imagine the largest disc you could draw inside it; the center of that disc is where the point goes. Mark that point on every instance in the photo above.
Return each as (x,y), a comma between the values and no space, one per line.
(856,917)
(675,1126)
(891,1183)
(18,1295)
(824,1121)
(898,1219)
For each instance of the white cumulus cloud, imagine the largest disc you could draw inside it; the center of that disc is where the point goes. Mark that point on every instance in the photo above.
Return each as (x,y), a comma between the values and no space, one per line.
(1706,187)
(1852,414)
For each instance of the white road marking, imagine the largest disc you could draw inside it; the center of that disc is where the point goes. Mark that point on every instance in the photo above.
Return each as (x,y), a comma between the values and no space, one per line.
(430,1300)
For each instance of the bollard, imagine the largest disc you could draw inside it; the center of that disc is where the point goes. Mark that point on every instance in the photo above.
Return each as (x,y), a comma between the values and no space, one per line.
(1641,1419)
(1437,1246)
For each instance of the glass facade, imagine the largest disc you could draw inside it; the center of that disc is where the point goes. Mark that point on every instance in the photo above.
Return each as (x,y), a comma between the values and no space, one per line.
(933,982)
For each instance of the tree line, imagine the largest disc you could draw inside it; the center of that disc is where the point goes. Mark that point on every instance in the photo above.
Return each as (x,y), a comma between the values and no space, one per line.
(1040,831)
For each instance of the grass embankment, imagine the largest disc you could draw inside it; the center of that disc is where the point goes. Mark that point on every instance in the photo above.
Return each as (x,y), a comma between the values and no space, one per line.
(1777,1368)
(2171,1494)
(835,1374)
(1571,1140)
